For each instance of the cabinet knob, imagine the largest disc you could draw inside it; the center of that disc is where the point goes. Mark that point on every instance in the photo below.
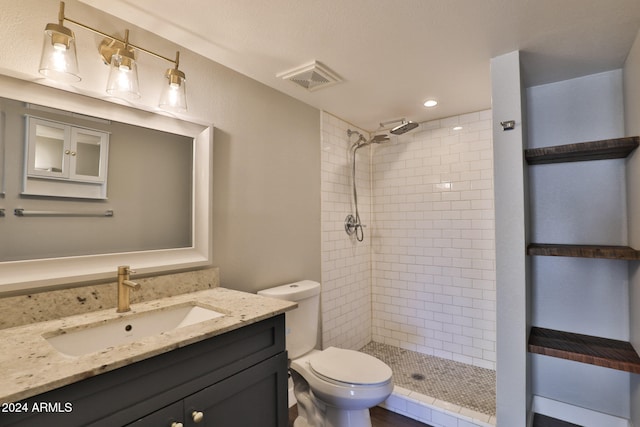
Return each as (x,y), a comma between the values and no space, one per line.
(73,153)
(176,424)
(67,151)
(197,416)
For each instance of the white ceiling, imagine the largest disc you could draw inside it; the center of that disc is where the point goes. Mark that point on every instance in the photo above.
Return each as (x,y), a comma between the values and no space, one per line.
(394,54)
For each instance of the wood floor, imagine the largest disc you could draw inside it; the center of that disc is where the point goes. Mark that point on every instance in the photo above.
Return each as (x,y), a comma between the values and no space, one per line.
(379,418)
(544,421)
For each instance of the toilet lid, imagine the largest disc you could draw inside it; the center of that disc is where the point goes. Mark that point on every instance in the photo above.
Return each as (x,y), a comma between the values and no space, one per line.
(350,366)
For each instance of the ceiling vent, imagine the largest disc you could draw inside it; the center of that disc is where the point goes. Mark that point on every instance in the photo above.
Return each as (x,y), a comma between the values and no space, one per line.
(312,76)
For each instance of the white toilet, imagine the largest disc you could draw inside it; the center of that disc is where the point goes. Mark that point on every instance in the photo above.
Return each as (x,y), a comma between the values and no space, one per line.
(333,387)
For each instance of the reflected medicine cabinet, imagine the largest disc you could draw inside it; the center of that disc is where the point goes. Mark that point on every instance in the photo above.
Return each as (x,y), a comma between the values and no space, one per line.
(73,156)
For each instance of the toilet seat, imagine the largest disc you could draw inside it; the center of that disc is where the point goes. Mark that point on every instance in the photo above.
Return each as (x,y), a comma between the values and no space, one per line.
(349,367)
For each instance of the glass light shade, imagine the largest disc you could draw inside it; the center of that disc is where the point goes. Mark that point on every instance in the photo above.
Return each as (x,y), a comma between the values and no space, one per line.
(59,60)
(123,77)
(174,93)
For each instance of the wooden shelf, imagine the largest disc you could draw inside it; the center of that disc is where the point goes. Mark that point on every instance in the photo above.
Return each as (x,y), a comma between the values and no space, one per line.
(540,420)
(594,150)
(597,351)
(584,251)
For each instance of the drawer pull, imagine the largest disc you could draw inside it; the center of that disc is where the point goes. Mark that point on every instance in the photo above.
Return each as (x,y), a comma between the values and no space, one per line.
(197,416)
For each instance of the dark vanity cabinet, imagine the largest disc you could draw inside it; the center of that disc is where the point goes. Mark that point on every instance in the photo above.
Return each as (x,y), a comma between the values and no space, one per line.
(245,399)
(237,379)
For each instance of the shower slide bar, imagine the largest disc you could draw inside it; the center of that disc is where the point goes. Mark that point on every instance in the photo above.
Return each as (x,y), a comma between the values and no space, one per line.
(22,212)
(352,224)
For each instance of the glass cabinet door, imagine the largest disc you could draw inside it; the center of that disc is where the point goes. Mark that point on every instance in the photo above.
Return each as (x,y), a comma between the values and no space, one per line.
(88,155)
(63,151)
(47,145)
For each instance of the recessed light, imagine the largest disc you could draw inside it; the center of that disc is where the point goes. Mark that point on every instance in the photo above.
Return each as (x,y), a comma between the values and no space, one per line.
(430,103)
(457,128)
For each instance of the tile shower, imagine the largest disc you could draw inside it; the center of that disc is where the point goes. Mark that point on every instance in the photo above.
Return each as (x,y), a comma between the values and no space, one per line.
(423,279)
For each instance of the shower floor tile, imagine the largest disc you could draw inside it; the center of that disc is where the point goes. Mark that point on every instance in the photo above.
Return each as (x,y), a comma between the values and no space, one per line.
(454,382)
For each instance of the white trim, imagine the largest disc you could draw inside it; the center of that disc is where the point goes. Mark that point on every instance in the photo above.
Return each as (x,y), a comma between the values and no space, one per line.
(575,414)
(530,419)
(40,273)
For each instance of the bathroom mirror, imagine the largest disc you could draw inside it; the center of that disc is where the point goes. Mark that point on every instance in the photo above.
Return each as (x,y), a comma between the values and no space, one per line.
(50,267)
(1,162)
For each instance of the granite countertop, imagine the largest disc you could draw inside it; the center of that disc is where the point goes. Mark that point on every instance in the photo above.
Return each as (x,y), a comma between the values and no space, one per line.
(30,365)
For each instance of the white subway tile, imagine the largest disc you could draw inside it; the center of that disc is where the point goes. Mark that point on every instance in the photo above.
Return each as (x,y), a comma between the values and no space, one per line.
(427,265)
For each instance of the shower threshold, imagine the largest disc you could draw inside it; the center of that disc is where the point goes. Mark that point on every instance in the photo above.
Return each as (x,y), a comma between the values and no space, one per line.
(438,391)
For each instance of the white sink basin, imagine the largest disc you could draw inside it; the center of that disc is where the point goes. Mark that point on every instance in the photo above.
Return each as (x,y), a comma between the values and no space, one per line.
(86,339)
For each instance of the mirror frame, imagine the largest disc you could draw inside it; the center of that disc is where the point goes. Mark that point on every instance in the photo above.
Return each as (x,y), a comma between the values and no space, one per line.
(16,276)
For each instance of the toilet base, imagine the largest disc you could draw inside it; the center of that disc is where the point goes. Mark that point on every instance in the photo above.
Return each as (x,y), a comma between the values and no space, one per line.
(313,412)
(291,397)
(342,418)
(339,418)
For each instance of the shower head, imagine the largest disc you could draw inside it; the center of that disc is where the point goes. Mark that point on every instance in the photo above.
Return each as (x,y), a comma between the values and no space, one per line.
(377,139)
(404,127)
(362,141)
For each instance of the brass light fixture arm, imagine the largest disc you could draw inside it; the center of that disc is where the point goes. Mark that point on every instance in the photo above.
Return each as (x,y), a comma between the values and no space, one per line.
(125,42)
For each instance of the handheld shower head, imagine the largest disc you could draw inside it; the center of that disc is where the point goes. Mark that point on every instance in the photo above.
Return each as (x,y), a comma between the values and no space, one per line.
(377,139)
(363,142)
(404,127)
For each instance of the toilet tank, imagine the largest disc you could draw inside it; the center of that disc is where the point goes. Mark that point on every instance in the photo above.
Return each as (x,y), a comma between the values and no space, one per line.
(301,322)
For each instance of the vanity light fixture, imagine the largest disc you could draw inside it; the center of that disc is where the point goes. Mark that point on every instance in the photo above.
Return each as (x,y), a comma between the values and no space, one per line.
(123,69)
(59,61)
(174,92)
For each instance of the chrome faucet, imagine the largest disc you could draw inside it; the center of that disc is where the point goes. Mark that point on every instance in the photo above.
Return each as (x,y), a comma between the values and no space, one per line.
(124,286)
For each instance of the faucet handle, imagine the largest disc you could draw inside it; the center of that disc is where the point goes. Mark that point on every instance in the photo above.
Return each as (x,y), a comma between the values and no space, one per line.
(125,269)
(131,284)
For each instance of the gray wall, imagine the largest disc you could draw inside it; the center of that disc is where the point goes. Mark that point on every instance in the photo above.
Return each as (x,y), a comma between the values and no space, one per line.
(266,201)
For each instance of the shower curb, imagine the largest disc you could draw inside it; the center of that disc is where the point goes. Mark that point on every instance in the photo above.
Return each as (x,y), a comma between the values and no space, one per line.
(435,412)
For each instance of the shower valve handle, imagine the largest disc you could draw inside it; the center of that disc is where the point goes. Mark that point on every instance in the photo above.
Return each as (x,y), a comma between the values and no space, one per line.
(351,225)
